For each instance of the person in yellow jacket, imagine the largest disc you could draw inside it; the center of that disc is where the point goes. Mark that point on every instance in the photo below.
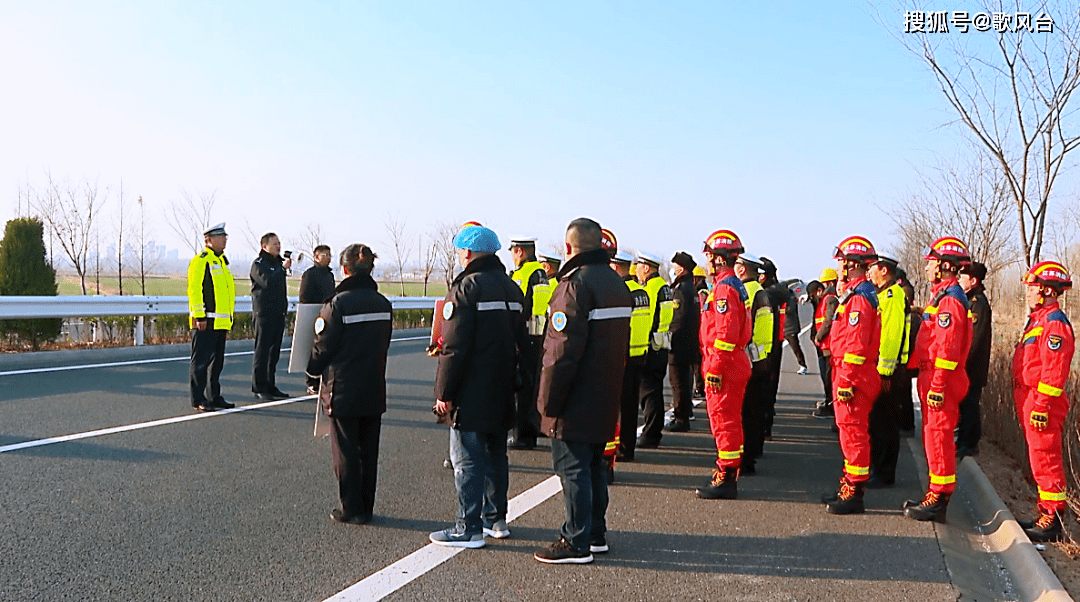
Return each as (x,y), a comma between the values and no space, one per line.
(529,274)
(625,442)
(211,301)
(892,367)
(755,401)
(662,304)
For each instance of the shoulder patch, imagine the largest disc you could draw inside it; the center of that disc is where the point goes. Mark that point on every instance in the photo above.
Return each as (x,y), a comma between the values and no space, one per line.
(721,306)
(558,321)
(888,294)
(853,318)
(448,310)
(1053,342)
(944,319)
(204,253)
(320,325)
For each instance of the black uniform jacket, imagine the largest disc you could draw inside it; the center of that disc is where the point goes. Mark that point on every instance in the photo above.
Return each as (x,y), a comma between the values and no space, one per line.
(483,329)
(978,362)
(685,322)
(351,341)
(586,339)
(268,294)
(317,285)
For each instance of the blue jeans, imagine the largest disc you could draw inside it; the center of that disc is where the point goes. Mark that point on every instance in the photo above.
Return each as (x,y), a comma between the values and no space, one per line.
(482,477)
(580,466)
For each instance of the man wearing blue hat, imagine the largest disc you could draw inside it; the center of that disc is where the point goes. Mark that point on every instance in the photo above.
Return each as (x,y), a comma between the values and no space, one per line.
(483,331)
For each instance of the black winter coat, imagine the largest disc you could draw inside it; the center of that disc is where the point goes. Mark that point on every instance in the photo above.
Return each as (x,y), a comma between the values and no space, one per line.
(585,345)
(268,293)
(978,362)
(317,285)
(685,322)
(483,330)
(351,341)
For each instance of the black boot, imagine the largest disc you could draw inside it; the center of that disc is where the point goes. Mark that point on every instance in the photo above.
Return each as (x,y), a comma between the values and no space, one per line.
(1046,528)
(831,496)
(849,500)
(932,507)
(724,485)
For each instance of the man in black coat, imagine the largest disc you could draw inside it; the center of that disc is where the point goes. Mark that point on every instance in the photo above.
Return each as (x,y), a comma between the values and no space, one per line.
(969,427)
(317,286)
(685,346)
(352,336)
(584,353)
(269,304)
(483,331)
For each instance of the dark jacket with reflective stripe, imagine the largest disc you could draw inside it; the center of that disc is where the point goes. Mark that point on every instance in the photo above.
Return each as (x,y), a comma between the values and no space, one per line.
(588,333)
(268,288)
(483,330)
(351,341)
(685,322)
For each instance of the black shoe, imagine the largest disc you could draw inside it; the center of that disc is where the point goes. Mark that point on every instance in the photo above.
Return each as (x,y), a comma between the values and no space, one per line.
(352,519)
(831,496)
(877,482)
(624,458)
(678,426)
(966,451)
(747,467)
(221,403)
(561,552)
(279,394)
(207,406)
(1046,528)
(849,500)
(517,443)
(644,443)
(932,507)
(723,486)
(598,545)
(265,396)
(823,410)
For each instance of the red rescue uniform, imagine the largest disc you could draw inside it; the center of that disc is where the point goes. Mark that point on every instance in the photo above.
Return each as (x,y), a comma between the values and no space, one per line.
(725,331)
(854,340)
(1040,369)
(942,350)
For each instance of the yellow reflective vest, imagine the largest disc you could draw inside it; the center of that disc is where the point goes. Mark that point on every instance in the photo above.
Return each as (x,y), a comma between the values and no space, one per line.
(762,340)
(211,291)
(662,304)
(640,319)
(893,352)
(537,298)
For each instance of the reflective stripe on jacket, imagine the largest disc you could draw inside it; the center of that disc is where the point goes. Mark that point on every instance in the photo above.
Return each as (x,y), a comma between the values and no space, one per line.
(757,303)
(892,305)
(211,291)
(640,318)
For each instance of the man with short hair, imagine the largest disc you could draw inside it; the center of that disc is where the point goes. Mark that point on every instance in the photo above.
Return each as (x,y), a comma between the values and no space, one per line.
(269,304)
(584,354)
(317,286)
(211,299)
(482,335)
(352,337)
(969,427)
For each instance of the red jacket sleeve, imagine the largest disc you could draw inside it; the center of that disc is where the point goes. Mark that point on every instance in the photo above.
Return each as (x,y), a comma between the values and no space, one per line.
(950,340)
(854,345)
(726,334)
(1055,348)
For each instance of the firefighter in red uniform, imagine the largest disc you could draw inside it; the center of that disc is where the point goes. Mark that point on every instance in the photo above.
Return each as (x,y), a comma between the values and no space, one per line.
(725,332)
(854,341)
(942,346)
(1040,370)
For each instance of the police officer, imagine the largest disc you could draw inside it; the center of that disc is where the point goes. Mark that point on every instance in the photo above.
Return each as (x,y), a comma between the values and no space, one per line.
(969,427)
(640,325)
(778,300)
(211,298)
(269,304)
(317,286)
(943,346)
(701,286)
(1040,370)
(662,305)
(755,401)
(892,367)
(352,337)
(534,283)
(726,329)
(551,264)
(824,310)
(854,340)
(685,351)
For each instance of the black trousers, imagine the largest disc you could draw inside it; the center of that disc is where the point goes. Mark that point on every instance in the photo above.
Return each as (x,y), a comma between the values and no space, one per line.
(796,348)
(753,412)
(355,446)
(969,428)
(207,360)
(652,394)
(268,333)
(699,380)
(825,367)
(681,379)
(884,429)
(903,396)
(774,387)
(526,416)
(628,407)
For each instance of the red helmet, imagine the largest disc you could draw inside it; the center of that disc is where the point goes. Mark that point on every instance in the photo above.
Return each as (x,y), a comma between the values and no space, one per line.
(949,249)
(467,224)
(724,242)
(855,248)
(608,242)
(1050,274)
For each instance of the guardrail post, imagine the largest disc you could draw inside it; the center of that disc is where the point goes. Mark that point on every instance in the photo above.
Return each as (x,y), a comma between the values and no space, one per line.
(139,331)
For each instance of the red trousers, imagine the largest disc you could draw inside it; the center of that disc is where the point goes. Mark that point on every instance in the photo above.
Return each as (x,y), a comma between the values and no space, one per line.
(1044,448)
(939,426)
(853,420)
(725,413)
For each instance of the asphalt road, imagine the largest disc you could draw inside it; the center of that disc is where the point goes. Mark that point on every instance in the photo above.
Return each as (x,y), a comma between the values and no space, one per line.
(235,506)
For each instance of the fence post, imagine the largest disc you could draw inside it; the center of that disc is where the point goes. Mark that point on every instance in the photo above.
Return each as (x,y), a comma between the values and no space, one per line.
(139,331)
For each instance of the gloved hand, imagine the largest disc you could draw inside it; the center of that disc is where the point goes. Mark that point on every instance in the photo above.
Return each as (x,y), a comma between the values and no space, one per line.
(845,393)
(935,399)
(712,382)
(1039,420)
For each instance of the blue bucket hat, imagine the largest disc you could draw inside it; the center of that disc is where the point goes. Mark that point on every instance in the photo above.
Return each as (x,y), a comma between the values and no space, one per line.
(477,239)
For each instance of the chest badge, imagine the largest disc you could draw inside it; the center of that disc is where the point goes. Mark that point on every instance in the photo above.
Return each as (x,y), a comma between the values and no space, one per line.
(944,319)
(853,318)
(320,325)
(448,310)
(558,321)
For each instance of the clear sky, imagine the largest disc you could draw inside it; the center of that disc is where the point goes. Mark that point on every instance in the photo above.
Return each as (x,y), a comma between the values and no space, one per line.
(786,122)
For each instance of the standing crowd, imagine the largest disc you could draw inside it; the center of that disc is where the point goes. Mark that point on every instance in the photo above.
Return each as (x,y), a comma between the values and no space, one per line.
(573,348)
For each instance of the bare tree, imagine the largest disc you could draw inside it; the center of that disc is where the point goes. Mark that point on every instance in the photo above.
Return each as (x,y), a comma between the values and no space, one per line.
(148,257)
(400,247)
(250,235)
(120,238)
(443,244)
(70,210)
(311,237)
(189,216)
(1012,90)
(428,260)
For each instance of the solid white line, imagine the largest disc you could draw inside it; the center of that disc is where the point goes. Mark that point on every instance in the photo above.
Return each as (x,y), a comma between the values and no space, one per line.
(399,574)
(149,361)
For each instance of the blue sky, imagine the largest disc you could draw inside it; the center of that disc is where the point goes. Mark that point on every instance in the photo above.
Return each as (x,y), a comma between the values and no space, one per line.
(786,122)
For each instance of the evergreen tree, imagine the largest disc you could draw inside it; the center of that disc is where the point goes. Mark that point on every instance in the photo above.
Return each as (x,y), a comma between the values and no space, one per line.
(24,271)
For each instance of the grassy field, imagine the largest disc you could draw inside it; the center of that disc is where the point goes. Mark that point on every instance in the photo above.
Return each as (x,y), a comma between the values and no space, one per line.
(176,286)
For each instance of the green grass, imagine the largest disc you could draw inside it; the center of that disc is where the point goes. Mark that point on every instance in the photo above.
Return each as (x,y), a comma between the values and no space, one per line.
(177,286)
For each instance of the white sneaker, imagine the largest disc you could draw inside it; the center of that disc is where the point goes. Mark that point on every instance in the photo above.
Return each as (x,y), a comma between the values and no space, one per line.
(499,530)
(803,371)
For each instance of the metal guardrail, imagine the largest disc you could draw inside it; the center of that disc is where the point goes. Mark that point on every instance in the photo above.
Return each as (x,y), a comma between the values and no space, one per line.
(77,306)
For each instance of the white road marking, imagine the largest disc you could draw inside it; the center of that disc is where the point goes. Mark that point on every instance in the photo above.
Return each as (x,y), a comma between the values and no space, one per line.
(399,574)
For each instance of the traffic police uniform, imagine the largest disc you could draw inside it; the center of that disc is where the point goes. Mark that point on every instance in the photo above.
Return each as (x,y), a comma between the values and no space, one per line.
(640,324)
(535,286)
(759,387)
(892,362)
(211,299)
(662,304)
(551,265)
